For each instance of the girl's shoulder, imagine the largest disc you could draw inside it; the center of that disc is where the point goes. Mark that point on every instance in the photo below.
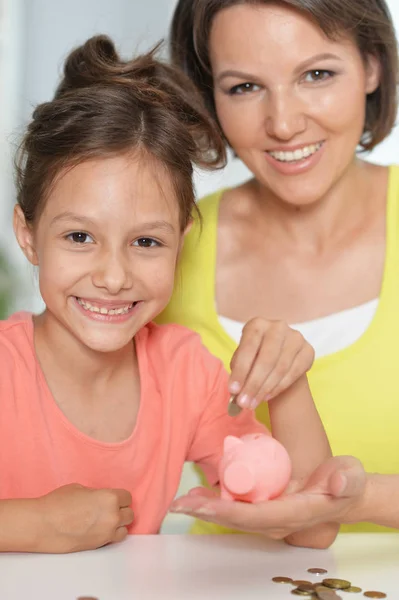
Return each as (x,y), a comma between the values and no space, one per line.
(172,344)
(167,339)
(17,354)
(16,329)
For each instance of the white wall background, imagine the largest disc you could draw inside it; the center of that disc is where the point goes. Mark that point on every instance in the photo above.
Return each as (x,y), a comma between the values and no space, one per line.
(35,36)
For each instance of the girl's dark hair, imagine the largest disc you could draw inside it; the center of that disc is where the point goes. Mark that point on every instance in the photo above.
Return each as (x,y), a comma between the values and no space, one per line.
(368,22)
(106,106)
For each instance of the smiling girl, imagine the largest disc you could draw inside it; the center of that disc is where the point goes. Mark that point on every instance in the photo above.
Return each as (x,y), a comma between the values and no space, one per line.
(100,408)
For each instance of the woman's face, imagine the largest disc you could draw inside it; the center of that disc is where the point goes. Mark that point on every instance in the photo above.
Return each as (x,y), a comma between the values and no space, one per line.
(291,102)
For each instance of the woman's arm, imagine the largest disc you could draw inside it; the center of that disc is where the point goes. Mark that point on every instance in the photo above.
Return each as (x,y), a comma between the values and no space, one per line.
(295,423)
(379,503)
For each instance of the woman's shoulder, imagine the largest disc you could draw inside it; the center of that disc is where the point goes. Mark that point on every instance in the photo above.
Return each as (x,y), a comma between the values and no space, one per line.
(394,172)
(206,220)
(209,203)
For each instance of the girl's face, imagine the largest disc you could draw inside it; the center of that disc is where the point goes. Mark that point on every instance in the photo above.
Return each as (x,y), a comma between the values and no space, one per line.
(106,246)
(290,101)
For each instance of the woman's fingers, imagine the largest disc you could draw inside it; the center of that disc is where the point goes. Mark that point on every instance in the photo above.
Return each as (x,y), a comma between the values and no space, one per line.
(203,492)
(270,358)
(301,363)
(247,372)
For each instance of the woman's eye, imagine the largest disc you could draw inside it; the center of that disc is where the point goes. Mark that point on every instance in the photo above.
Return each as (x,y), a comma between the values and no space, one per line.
(146,243)
(79,237)
(243,88)
(318,75)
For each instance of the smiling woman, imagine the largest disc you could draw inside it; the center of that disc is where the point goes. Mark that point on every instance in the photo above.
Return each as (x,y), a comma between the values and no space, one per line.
(297,88)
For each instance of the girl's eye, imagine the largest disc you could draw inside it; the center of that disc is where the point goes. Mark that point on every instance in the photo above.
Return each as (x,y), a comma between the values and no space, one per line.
(146,243)
(243,88)
(318,75)
(79,237)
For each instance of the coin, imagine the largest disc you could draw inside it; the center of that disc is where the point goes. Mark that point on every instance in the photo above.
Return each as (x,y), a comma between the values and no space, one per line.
(282,579)
(337,584)
(306,587)
(301,582)
(328,594)
(86,598)
(298,592)
(375,595)
(353,589)
(233,409)
(317,571)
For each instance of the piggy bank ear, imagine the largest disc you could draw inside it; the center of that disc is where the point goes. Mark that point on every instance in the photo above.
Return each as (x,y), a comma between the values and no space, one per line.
(230,442)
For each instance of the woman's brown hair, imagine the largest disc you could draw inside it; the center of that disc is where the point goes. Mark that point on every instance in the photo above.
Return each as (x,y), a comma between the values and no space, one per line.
(106,106)
(368,22)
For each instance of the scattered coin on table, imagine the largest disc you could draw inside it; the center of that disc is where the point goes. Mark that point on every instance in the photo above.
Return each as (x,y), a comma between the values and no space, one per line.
(317,571)
(328,594)
(323,590)
(282,580)
(337,584)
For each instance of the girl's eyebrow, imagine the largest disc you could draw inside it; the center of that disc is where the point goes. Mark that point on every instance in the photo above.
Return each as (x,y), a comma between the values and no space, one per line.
(70,216)
(149,225)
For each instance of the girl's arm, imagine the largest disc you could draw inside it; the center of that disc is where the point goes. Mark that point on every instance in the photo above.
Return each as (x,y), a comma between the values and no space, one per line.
(295,423)
(69,519)
(19,525)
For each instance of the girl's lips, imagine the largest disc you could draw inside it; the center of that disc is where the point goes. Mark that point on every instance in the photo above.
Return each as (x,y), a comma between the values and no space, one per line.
(296,167)
(108,318)
(108,304)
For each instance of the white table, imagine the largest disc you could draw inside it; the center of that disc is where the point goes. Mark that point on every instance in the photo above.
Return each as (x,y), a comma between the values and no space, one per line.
(180,567)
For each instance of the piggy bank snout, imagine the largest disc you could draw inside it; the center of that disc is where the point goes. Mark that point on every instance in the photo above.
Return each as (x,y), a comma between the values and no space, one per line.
(239,478)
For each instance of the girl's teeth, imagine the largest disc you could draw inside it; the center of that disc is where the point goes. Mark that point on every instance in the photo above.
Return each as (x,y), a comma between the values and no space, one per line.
(299,154)
(104,311)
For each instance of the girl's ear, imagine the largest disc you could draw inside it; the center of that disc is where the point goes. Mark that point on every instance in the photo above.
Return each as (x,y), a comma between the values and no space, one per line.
(373,74)
(24,234)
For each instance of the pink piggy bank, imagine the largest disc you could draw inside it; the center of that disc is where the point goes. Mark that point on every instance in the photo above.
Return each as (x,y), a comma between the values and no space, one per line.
(254,468)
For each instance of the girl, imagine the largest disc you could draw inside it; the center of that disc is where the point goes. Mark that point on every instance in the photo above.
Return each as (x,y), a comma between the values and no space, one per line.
(100,407)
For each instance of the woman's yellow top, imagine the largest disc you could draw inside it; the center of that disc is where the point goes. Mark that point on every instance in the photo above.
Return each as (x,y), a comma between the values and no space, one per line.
(356,390)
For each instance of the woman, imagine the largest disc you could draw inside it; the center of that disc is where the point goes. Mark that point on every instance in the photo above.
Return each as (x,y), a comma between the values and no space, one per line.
(312,238)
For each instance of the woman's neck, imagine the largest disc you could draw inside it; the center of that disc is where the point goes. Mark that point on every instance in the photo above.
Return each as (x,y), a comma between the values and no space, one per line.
(353,200)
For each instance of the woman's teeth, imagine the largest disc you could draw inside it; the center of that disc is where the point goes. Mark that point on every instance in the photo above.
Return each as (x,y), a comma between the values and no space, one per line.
(295,155)
(105,311)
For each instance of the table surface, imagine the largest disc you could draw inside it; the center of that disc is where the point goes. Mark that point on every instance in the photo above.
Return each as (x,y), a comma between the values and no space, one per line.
(180,567)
